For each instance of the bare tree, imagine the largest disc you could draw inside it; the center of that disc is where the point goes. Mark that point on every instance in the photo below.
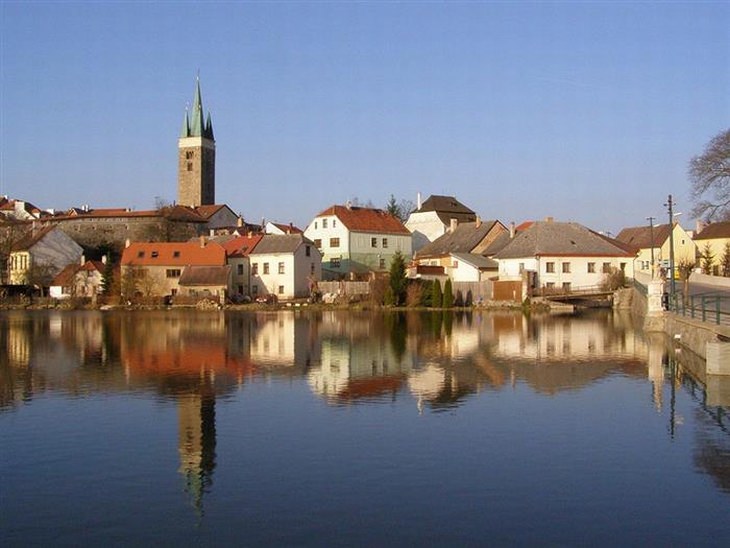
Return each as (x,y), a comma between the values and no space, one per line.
(401,210)
(710,176)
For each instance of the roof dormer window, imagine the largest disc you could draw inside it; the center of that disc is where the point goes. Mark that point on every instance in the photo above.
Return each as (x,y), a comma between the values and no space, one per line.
(155,254)
(140,254)
(176,254)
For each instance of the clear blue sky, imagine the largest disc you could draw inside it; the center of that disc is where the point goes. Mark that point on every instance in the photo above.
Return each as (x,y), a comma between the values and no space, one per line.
(585,111)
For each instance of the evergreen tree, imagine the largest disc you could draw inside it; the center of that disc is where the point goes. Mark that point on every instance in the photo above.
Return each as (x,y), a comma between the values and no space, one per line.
(707,259)
(436,298)
(448,297)
(398,280)
(107,278)
(725,261)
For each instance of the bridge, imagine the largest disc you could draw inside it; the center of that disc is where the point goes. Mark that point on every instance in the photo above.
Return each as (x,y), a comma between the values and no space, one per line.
(594,296)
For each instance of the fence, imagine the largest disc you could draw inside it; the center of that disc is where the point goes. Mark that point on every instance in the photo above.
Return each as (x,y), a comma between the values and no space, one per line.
(707,307)
(344,288)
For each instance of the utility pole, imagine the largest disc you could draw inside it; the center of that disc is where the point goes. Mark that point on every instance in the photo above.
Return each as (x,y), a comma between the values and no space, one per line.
(651,231)
(670,206)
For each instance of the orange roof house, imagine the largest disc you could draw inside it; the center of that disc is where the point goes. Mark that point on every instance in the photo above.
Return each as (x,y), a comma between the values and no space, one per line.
(154,269)
(357,241)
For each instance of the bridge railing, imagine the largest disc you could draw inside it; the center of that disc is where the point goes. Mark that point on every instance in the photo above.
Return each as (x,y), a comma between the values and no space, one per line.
(706,307)
(571,291)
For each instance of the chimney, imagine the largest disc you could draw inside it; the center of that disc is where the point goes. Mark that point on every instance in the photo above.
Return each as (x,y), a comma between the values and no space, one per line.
(453,224)
(83,260)
(348,204)
(239,221)
(549,219)
(103,259)
(290,230)
(512,230)
(127,243)
(418,201)
(211,232)
(478,221)
(202,242)
(699,226)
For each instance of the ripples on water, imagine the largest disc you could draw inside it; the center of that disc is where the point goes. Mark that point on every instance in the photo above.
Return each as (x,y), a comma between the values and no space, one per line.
(355,429)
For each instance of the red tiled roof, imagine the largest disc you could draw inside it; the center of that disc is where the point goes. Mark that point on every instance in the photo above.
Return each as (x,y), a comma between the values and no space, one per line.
(365,219)
(242,245)
(173,254)
(207,211)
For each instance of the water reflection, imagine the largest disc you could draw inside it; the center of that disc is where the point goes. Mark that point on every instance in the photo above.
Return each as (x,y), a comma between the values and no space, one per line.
(435,362)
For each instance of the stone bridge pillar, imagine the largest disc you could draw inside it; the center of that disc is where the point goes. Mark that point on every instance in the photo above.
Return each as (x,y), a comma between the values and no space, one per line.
(654,290)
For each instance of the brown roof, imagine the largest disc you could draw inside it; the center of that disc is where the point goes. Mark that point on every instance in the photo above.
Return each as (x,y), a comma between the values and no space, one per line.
(173,254)
(205,275)
(713,231)
(640,237)
(241,246)
(560,239)
(66,276)
(464,238)
(288,229)
(366,219)
(280,243)
(174,213)
(207,211)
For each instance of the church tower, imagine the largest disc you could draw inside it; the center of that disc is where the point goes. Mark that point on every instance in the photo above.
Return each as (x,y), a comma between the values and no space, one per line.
(196,157)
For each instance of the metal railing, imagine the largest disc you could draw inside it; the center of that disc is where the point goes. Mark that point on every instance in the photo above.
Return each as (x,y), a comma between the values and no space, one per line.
(706,307)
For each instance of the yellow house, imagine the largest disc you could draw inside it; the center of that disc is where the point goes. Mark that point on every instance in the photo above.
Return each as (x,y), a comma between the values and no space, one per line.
(654,241)
(717,237)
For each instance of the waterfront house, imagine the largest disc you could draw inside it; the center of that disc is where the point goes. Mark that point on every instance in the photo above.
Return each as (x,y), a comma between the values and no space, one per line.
(559,256)
(84,279)
(464,252)
(648,241)
(238,250)
(716,237)
(155,269)
(41,254)
(357,241)
(435,217)
(284,265)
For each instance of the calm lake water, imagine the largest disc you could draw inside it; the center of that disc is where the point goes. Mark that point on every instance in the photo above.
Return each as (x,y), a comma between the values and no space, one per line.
(355,429)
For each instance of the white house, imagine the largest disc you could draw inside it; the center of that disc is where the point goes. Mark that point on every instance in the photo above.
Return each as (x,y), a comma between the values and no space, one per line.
(79,280)
(284,265)
(355,241)
(555,255)
(435,217)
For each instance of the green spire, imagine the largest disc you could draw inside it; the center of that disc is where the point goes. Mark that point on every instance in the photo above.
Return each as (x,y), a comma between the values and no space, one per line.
(185,127)
(194,123)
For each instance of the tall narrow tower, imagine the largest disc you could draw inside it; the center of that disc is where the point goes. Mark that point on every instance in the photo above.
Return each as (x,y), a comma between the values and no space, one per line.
(196,157)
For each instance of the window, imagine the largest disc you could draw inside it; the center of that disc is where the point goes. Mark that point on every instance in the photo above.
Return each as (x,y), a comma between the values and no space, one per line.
(311,269)
(281,290)
(155,254)
(281,268)
(239,270)
(240,290)
(334,242)
(315,225)
(566,286)
(189,155)
(334,223)
(385,243)
(308,251)
(550,285)
(176,254)
(140,254)
(335,262)
(254,289)
(373,242)
(455,264)
(318,243)
(550,267)
(324,223)
(172,273)
(606,268)
(266,268)
(190,166)
(522,267)
(382,264)
(255,268)
(566,268)
(591,268)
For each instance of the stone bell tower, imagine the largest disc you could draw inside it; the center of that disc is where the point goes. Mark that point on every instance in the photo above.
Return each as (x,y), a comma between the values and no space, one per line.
(196,157)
